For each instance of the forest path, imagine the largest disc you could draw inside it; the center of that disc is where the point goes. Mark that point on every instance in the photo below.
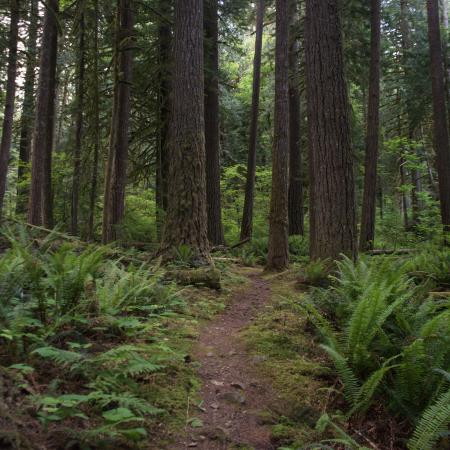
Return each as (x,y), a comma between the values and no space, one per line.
(233,394)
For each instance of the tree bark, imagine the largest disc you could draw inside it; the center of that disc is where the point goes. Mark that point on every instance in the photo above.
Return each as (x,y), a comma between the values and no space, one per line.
(212,132)
(296,215)
(116,203)
(186,221)
(247,218)
(40,208)
(441,132)
(96,113)
(332,197)
(8,115)
(28,106)
(164,77)
(406,48)
(368,215)
(78,126)
(278,254)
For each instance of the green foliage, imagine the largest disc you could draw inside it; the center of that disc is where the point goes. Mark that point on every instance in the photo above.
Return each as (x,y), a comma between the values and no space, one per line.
(385,336)
(96,326)
(433,423)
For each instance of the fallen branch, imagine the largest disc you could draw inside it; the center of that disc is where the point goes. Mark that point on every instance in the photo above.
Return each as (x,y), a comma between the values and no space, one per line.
(400,251)
(196,277)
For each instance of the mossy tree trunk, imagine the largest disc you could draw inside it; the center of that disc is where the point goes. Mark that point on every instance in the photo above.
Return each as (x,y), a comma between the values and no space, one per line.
(278,254)
(332,195)
(186,221)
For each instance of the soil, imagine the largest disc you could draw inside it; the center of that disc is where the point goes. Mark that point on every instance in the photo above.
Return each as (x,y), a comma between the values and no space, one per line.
(234,396)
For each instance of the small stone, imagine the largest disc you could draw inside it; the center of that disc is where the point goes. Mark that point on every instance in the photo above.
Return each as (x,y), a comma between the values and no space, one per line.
(217,383)
(214,406)
(237,385)
(192,445)
(233,397)
(232,353)
(260,358)
(228,424)
(210,354)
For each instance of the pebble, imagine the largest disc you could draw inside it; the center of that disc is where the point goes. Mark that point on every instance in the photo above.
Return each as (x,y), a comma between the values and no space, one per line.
(233,397)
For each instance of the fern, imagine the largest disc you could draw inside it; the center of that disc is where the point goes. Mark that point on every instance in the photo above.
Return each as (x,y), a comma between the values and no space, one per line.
(349,379)
(60,357)
(434,421)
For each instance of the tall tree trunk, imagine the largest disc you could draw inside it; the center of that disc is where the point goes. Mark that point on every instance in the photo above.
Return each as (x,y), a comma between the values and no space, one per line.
(404,199)
(27,117)
(247,218)
(212,132)
(164,77)
(110,154)
(406,48)
(278,255)
(186,221)
(78,125)
(8,115)
(116,203)
(96,113)
(332,197)
(441,132)
(40,207)
(373,132)
(296,216)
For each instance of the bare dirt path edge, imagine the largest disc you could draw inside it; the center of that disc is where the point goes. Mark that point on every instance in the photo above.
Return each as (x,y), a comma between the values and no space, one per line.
(234,396)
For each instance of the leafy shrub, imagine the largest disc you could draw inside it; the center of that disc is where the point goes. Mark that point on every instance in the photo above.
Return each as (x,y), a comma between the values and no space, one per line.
(97,326)
(387,341)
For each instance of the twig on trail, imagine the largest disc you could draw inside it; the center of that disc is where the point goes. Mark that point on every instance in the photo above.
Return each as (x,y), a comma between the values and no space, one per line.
(371,443)
(186,426)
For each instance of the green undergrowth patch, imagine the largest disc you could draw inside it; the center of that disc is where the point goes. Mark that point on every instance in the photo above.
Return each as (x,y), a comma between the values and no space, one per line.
(94,348)
(289,356)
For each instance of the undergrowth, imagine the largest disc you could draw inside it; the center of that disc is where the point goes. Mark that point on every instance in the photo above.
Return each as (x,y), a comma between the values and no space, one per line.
(385,325)
(92,349)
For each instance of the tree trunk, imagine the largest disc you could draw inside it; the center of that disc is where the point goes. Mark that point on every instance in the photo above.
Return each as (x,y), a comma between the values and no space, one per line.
(212,132)
(368,215)
(247,218)
(8,115)
(186,221)
(332,197)
(406,48)
(116,203)
(78,126)
(296,216)
(278,255)
(96,113)
(441,132)
(40,208)
(164,76)
(403,197)
(27,117)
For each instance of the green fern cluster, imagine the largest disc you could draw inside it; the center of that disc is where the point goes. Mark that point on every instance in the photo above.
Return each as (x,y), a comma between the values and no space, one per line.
(98,326)
(388,342)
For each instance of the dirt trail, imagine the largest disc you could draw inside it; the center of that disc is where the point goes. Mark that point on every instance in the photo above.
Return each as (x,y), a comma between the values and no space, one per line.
(233,393)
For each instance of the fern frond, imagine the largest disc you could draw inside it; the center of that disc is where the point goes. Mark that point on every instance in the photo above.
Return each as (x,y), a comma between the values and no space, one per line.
(435,420)
(61,357)
(348,378)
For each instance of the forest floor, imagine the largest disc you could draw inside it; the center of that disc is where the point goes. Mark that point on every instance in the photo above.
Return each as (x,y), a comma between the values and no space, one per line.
(257,391)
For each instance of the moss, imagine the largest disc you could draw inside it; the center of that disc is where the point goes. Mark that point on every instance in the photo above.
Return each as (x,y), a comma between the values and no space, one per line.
(293,363)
